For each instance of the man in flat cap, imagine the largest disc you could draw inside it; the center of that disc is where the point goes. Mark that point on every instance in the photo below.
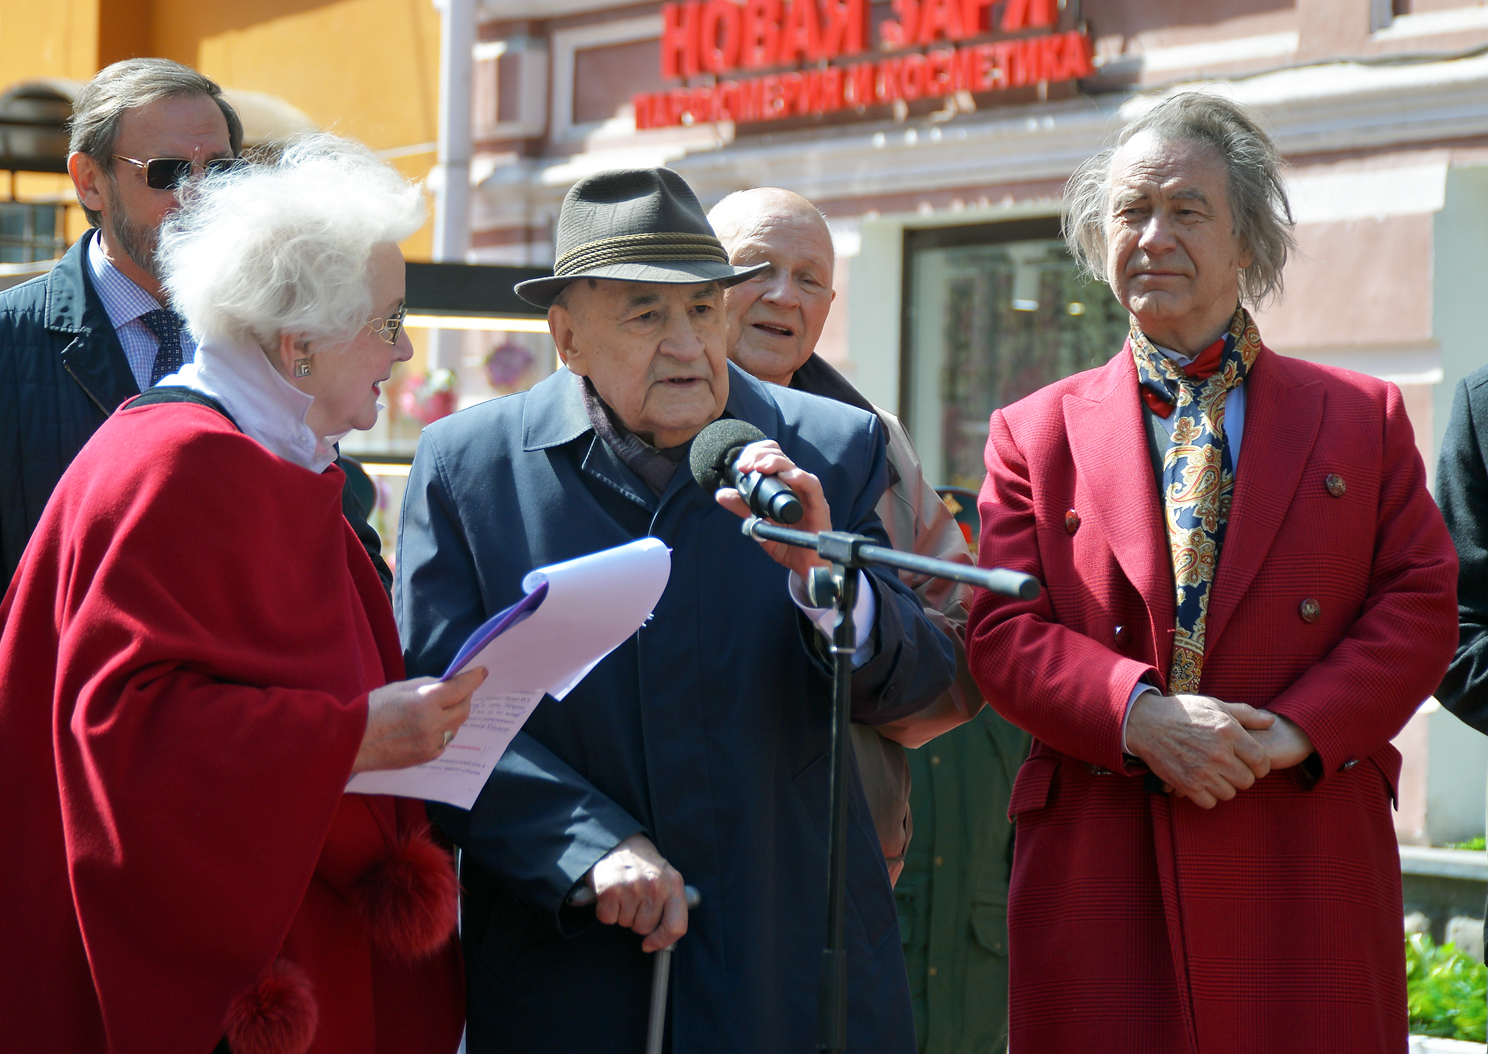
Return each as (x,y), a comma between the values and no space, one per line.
(1248,592)
(698,750)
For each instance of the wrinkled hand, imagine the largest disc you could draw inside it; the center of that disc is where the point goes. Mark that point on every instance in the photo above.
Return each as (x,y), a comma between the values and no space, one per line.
(1201,747)
(1285,744)
(636,888)
(407,720)
(767,458)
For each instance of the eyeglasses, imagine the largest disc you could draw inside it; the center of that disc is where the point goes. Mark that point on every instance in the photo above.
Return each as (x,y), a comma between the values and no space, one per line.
(168,173)
(388,329)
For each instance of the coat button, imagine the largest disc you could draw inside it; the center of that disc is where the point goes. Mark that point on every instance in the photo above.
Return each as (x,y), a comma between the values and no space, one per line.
(1310,610)
(1335,484)
(1123,636)
(939,860)
(935,760)
(1072,521)
(932,971)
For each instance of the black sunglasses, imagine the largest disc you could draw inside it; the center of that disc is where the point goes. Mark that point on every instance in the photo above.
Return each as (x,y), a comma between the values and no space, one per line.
(168,173)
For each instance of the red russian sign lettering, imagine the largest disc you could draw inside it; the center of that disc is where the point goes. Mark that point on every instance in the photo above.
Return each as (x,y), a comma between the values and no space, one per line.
(719,36)
(679,40)
(994,66)
(1029,14)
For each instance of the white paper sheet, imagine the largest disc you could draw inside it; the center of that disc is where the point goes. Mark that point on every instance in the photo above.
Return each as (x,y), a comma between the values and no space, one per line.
(589,608)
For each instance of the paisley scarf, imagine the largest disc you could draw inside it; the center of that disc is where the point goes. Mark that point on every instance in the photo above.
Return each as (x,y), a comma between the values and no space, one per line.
(1198,479)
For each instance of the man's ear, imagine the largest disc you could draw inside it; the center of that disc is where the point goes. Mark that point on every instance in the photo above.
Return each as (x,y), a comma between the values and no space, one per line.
(565,339)
(87,180)
(1247,257)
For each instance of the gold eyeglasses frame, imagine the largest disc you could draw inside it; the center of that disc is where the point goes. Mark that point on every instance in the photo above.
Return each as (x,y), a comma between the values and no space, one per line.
(387,329)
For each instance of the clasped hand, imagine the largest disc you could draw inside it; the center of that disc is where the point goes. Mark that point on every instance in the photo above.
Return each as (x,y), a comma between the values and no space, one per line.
(1207,750)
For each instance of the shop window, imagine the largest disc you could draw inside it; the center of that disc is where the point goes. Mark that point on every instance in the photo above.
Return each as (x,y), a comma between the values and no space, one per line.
(509,98)
(30,232)
(994,312)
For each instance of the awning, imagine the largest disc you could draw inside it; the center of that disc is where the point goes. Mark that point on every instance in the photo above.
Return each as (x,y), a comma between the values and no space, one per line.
(34,114)
(33,118)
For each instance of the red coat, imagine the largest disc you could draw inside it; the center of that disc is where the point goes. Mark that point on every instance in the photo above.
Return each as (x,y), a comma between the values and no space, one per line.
(1140,922)
(185,657)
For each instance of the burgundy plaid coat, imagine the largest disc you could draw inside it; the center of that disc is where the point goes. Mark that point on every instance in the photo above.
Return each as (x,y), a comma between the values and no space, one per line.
(1140,922)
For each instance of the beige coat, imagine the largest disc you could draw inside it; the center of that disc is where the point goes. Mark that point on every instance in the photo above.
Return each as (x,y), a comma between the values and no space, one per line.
(916,521)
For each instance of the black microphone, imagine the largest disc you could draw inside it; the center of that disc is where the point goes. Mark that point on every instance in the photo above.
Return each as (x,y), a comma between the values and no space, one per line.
(714,461)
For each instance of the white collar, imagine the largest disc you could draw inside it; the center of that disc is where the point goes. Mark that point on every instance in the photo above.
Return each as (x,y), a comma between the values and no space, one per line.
(1176,357)
(266,406)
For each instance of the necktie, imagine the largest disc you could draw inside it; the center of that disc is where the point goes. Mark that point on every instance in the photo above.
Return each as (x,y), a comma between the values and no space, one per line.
(166,325)
(1198,478)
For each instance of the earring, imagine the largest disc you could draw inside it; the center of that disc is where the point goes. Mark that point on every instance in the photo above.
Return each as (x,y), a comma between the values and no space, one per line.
(302,367)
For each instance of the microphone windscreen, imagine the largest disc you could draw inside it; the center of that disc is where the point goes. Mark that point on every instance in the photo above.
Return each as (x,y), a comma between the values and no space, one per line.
(717,447)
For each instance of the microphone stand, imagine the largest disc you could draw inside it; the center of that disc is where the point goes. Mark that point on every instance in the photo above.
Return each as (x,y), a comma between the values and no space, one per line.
(838,586)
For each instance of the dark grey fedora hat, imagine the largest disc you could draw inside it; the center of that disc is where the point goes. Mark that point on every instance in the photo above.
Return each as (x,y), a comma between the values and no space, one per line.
(636,225)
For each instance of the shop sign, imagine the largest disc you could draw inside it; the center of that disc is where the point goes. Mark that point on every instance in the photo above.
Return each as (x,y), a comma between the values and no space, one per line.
(718,37)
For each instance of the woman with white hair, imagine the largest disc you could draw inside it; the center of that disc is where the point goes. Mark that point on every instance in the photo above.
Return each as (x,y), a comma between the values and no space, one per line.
(197,654)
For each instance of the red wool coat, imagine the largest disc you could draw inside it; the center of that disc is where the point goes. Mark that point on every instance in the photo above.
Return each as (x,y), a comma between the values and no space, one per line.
(185,657)
(1139,922)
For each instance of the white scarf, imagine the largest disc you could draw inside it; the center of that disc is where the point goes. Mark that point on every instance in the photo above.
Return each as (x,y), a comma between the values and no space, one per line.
(266,406)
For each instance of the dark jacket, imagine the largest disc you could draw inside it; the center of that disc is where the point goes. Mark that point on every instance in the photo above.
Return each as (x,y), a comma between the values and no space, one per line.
(708,729)
(62,373)
(952,895)
(1462,493)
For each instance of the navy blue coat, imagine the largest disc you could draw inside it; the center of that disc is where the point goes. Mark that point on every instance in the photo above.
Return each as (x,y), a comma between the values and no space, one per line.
(1462,493)
(708,730)
(62,373)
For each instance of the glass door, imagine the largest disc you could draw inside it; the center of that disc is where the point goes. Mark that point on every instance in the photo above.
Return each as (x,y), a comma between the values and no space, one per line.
(994,312)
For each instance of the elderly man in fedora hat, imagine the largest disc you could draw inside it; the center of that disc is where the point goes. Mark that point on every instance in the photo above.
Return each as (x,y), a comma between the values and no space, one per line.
(698,750)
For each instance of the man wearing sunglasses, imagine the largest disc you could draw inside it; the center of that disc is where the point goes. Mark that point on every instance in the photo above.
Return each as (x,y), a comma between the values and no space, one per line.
(77,342)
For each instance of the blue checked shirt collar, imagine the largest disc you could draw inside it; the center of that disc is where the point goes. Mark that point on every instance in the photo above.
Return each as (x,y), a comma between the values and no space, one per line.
(124,302)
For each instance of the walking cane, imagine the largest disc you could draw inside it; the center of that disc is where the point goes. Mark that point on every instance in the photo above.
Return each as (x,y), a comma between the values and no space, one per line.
(661,967)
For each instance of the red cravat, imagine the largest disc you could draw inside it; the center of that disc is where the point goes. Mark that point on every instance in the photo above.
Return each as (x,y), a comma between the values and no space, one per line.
(1201,368)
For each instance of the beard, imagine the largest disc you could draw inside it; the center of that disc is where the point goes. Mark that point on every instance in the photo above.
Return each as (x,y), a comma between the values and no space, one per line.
(137,240)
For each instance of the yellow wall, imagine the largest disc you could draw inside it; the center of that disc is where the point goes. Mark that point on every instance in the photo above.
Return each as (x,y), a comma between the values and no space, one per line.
(368,69)
(48,38)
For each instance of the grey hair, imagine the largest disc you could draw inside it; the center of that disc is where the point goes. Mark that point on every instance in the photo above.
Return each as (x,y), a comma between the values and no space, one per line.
(284,247)
(1257,194)
(129,84)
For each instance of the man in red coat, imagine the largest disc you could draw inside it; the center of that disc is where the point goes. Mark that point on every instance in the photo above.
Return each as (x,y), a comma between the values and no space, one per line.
(1248,592)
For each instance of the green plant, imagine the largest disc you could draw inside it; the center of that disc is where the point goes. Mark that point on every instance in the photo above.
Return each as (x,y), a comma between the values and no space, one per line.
(1446,990)
(1472,843)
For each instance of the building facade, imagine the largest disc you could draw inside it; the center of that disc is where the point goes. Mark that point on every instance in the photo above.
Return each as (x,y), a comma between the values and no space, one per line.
(940,167)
